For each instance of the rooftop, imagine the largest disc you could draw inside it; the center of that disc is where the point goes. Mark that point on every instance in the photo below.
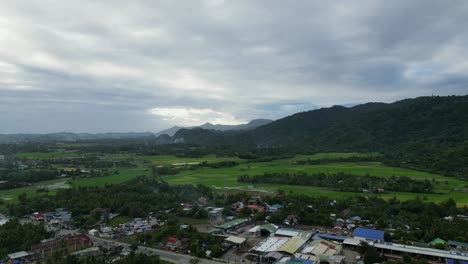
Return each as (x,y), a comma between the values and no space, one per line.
(17,255)
(232,223)
(299,261)
(292,245)
(423,251)
(270,244)
(288,232)
(235,240)
(456,243)
(270,227)
(368,233)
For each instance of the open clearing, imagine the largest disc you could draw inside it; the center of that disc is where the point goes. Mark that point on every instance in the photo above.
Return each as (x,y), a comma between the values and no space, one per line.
(225,179)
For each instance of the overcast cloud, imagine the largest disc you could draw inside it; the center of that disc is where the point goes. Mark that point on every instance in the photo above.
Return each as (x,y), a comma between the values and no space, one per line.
(98,66)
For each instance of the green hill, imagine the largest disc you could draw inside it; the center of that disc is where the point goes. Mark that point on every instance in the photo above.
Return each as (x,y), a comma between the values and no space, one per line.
(428,133)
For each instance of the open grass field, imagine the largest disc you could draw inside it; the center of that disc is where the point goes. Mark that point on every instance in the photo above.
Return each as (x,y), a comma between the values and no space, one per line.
(11,195)
(48,155)
(124,174)
(225,179)
(119,220)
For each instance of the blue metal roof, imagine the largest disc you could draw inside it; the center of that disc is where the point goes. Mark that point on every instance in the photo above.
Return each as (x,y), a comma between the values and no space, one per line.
(368,233)
(332,237)
(300,260)
(451,261)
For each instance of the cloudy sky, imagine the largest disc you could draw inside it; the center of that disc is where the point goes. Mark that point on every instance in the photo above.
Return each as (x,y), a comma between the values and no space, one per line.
(98,66)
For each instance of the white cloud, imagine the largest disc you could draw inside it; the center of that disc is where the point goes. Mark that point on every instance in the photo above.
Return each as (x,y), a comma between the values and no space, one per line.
(194,116)
(220,61)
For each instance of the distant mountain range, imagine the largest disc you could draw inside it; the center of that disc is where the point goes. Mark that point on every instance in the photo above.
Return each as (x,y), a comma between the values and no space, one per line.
(163,137)
(250,125)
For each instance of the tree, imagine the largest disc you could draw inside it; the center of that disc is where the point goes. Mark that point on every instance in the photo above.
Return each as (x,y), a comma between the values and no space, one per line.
(134,247)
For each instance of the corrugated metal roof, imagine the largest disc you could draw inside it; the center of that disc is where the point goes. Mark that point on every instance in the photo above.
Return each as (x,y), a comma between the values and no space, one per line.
(292,245)
(457,243)
(270,244)
(288,232)
(232,223)
(235,240)
(368,233)
(423,251)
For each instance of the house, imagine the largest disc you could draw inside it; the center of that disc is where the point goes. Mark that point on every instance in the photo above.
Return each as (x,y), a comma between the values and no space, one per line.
(437,242)
(460,246)
(215,215)
(93,232)
(236,241)
(320,248)
(287,232)
(256,208)
(70,243)
(203,200)
(236,207)
(355,219)
(3,219)
(274,208)
(187,206)
(20,257)
(368,234)
(291,220)
(172,243)
(231,226)
(37,218)
(266,230)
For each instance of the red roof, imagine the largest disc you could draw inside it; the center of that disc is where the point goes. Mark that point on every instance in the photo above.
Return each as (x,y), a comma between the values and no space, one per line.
(255,206)
(172,239)
(37,216)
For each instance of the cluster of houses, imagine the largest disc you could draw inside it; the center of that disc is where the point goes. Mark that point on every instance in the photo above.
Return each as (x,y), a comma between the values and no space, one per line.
(138,225)
(282,245)
(255,207)
(61,217)
(287,245)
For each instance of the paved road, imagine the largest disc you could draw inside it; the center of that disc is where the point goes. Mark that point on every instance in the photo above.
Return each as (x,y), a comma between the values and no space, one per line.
(164,255)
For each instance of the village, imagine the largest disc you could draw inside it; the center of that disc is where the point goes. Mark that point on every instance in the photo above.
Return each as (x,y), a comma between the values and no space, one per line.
(241,239)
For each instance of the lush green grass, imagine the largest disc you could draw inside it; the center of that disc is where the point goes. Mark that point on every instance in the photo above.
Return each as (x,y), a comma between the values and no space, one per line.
(336,155)
(124,174)
(48,155)
(11,195)
(227,177)
(192,221)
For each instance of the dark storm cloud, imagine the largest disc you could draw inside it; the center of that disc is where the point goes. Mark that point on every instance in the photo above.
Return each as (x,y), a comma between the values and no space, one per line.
(146,65)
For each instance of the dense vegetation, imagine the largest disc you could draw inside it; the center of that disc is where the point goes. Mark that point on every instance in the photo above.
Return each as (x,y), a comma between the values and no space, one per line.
(405,217)
(132,258)
(17,237)
(344,182)
(17,178)
(136,198)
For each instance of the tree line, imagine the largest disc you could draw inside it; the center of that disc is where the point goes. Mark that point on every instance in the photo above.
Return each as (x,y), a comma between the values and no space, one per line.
(344,182)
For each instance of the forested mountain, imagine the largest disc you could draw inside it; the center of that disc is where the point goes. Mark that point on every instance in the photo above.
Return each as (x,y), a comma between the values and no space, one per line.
(372,126)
